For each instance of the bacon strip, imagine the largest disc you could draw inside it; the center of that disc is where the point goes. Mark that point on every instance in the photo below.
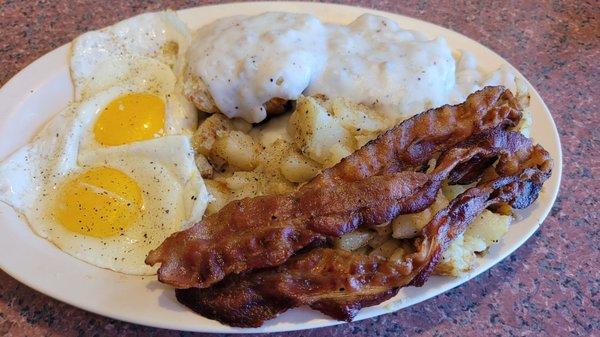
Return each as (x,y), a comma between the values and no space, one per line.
(340,283)
(413,142)
(365,189)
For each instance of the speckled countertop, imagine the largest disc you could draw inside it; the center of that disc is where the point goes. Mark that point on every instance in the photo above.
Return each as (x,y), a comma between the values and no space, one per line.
(548,287)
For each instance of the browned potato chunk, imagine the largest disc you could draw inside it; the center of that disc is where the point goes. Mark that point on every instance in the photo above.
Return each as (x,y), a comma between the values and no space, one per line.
(487,228)
(407,226)
(219,195)
(387,248)
(206,134)
(206,170)
(237,149)
(298,168)
(317,134)
(353,240)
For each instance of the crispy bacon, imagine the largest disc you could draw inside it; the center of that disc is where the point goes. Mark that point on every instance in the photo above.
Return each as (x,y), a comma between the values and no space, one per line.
(365,189)
(340,283)
(278,226)
(413,142)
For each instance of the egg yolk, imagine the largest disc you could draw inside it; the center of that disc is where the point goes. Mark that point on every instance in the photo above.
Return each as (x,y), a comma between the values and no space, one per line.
(130,118)
(100,202)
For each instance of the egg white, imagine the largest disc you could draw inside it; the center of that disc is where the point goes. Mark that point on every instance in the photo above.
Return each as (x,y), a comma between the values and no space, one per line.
(128,51)
(173,191)
(144,53)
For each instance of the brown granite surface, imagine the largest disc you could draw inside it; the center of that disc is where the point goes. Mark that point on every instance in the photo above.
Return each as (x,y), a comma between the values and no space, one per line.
(548,287)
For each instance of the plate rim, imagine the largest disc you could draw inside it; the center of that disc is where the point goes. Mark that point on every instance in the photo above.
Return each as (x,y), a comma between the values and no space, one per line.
(219,328)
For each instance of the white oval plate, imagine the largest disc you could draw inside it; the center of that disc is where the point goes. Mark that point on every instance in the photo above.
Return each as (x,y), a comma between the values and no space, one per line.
(43,88)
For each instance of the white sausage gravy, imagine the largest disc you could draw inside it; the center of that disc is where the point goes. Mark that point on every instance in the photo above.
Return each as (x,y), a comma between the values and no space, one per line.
(247,60)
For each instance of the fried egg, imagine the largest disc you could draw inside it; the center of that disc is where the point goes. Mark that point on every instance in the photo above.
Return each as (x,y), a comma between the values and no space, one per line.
(141,49)
(108,179)
(143,54)
(106,205)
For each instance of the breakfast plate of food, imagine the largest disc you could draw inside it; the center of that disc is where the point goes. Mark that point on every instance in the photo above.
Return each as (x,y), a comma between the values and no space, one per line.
(265,167)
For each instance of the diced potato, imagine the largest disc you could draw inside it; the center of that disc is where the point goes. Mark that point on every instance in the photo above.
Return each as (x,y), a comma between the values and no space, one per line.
(265,178)
(241,125)
(356,118)
(440,203)
(431,164)
(275,183)
(298,168)
(353,240)
(384,229)
(242,184)
(473,244)
(407,226)
(219,164)
(386,249)
(524,125)
(452,191)
(315,132)
(404,247)
(219,195)
(270,157)
(270,163)
(364,138)
(455,259)
(337,152)
(242,180)
(398,254)
(206,170)
(237,149)
(206,134)
(523,96)
(489,227)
